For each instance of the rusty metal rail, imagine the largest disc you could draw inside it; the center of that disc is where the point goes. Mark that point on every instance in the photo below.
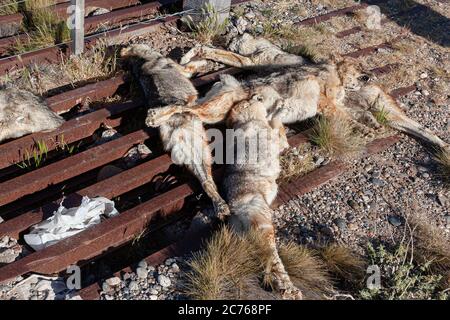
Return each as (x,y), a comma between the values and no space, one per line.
(60,8)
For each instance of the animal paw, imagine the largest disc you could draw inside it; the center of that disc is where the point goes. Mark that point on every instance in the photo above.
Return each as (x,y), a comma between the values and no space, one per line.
(152,118)
(222,211)
(292,293)
(190,55)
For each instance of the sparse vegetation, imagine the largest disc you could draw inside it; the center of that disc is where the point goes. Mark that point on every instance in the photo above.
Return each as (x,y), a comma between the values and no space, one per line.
(344,264)
(294,163)
(100,62)
(442,157)
(36,157)
(305,50)
(231,267)
(209,27)
(8,7)
(42,26)
(418,267)
(335,136)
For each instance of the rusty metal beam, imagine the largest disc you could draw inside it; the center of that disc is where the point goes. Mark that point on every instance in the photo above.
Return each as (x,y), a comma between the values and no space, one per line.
(65,101)
(372,49)
(89,243)
(70,167)
(332,14)
(108,188)
(73,130)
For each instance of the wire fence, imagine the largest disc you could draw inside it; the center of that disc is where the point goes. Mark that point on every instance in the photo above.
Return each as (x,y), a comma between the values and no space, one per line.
(115,29)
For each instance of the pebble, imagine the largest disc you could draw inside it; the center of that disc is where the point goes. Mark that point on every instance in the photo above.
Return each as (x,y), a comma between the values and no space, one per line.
(164,281)
(442,199)
(143,264)
(133,286)
(153,297)
(377,182)
(424,75)
(1,220)
(395,220)
(175,268)
(353,204)
(142,273)
(113,282)
(447,219)
(341,224)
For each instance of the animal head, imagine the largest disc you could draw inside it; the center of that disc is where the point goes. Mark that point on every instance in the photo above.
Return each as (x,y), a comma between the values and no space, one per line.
(349,72)
(247,110)
(140,50)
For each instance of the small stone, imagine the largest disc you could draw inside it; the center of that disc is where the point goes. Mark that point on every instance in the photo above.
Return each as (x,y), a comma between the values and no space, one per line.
(164,281)
(142,272)
(175,268)
(442,199)
(153,297)
(320,161)
(424,75)
(426,93)
(142,264)
(113,282)
(1,220)
(341,224)
(425,175)
(126,276)
(106,287)
(153,291)
(377,182)
(169,262)
(133,286)
(353,204)
(395,220)
(241,25)
(447,219)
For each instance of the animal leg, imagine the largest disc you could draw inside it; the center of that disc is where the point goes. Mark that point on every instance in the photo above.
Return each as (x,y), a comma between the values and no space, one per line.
(379,101)
(218,55)
(157,116)
(188,146)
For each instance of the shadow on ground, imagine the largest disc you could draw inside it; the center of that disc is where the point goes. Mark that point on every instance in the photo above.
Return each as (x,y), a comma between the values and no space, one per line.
(418,18)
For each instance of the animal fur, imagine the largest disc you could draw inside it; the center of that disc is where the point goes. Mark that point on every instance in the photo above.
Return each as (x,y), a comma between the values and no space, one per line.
(180,132)
(22,112)
(250,186)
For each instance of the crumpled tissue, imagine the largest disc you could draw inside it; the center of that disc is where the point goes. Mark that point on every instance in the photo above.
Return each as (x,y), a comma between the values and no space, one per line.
(67,222)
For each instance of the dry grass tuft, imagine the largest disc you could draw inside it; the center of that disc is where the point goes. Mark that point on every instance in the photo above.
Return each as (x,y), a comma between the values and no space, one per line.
(335,137)
(209,28)
(343,263)
(100,62)
(305,50)
(232,267)
(43,26)
(224,270)
(430,246)
(8,7)
(306,270)
(442,157)
(295,163)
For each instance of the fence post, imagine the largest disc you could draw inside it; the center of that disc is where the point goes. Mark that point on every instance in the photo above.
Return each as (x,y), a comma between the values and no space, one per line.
(77,27)
(221,6)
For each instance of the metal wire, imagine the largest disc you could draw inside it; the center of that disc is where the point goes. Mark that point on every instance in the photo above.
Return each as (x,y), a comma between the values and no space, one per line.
(121,28)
